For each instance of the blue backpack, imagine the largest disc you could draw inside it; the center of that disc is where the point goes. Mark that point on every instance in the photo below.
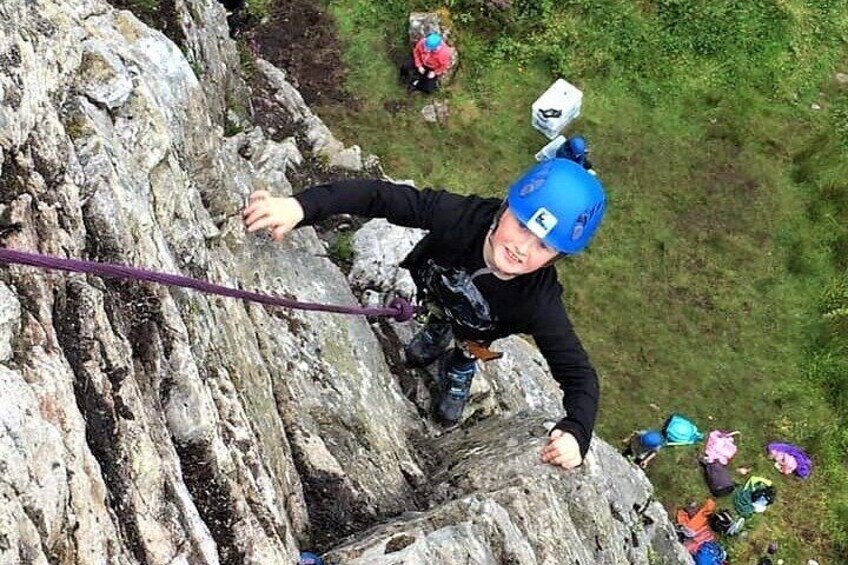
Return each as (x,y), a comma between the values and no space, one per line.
(710,553)
(309,558)
(678,430)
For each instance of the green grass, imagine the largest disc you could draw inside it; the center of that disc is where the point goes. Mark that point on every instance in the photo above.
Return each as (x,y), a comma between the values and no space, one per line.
(257,10)
(717,286)
(341,249)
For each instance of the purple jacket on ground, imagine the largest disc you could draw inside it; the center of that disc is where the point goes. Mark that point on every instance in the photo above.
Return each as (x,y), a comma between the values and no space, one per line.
(805,464)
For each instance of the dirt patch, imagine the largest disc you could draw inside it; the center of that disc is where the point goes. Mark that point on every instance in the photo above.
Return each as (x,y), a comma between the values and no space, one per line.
(268,113)
(729,192)
(300,37)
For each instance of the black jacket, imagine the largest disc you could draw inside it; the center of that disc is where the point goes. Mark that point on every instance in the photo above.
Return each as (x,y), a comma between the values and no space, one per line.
(458,225)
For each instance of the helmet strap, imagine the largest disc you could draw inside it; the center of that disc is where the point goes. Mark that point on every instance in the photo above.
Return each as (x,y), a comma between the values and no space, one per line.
(556,259)
(497,219)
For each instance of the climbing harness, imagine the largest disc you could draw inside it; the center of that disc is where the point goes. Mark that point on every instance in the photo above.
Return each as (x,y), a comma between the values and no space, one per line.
(400,309)
(479,350)
(458,298)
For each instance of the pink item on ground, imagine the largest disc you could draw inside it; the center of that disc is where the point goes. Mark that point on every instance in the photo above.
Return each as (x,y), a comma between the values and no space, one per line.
(720,447)
(804,463)
(785,463)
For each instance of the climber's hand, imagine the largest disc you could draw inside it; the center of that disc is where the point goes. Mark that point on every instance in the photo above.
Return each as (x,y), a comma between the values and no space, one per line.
(431,74)
(279,215)
(562,450)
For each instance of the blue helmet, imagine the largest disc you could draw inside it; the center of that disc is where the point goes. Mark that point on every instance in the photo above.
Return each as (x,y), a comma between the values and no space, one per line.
(432,41)
(560,202)
(651,439)
(577,145)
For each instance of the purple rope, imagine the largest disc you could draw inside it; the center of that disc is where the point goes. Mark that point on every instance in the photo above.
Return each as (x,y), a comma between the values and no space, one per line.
(398,308)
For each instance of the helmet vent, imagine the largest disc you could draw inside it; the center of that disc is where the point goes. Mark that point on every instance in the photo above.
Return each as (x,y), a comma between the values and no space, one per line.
(579,226)
(532,186)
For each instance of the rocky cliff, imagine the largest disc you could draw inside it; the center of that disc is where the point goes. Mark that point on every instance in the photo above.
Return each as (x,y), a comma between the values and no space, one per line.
(152,424)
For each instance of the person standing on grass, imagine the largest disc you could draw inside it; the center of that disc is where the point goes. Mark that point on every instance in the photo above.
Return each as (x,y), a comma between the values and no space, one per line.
(576,149)
(430,58)
(485,271)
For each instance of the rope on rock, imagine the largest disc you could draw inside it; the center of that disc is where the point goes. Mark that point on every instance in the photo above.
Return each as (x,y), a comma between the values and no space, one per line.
(400,309)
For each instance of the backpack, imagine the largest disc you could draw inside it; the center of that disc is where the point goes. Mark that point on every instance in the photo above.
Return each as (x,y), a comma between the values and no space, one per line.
(678,430)
(718,478)
(309,558)
(723,522)
(710,553)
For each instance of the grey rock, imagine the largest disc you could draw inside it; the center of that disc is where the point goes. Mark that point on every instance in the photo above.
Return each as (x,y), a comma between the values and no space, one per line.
(422,24)
(321,140)
(428,112)
(502,505)
(378,248)
(10,319)
(103,76)
(435,112)
(348,159)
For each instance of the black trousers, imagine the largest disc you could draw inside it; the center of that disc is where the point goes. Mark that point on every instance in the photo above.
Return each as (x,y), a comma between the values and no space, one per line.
(415,80)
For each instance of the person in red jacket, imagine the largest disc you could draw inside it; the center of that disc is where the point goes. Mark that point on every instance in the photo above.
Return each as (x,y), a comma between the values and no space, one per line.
(430,58)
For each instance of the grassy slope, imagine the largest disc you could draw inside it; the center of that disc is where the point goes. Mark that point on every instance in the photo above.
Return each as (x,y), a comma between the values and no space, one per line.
(702,292)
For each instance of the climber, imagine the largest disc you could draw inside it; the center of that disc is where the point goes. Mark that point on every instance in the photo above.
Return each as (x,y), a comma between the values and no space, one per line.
(429,59)
(642,446)
(485,271)
(575,149)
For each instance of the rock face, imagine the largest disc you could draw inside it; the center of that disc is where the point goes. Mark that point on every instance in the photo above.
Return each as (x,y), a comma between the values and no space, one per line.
(151,424)
(498,504)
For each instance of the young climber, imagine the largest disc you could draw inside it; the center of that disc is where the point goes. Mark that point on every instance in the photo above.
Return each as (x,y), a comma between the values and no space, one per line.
(485,271)
(430,58)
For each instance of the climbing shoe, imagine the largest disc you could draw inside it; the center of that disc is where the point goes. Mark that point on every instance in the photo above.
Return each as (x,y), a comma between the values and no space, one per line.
(455,376)
(428,344)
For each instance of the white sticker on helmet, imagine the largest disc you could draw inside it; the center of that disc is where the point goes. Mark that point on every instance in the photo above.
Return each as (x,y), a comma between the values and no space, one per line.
(541,223)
